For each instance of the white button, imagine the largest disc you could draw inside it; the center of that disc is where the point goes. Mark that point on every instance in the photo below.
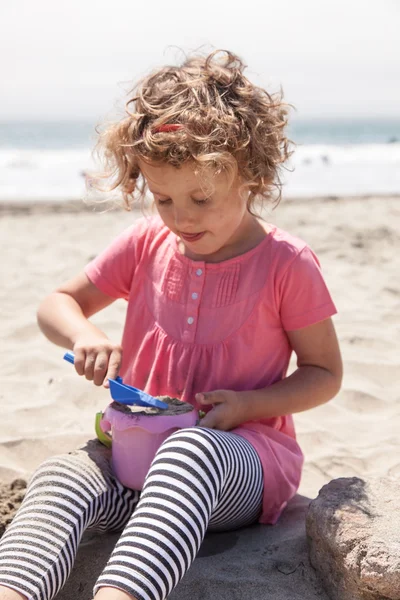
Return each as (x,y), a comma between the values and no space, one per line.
(195,296)
(199,272)
(190,320)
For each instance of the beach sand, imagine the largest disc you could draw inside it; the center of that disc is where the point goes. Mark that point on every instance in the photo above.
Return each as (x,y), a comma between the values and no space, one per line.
(48,409)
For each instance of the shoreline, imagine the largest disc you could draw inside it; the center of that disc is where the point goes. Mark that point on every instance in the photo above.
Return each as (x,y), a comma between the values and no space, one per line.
(25,206)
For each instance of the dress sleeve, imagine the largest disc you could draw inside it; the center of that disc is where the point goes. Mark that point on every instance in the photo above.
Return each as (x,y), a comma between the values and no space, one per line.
(304,296)
(113,269)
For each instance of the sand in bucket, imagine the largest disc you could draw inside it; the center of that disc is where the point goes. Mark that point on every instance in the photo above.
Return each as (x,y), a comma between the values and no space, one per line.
(175,407)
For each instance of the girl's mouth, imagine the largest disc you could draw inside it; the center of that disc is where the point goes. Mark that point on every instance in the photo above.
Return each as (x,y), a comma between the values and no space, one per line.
(191,237)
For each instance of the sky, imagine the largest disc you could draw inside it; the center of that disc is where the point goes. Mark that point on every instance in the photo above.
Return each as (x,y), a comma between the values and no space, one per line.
(76,59)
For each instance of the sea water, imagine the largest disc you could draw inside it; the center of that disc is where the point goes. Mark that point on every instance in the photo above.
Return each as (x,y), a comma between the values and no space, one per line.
(332,157)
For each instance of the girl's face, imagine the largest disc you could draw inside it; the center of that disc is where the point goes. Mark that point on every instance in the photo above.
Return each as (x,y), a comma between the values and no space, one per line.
(211,223)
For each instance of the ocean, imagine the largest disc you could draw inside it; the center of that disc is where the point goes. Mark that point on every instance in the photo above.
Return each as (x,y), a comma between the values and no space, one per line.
(333,157)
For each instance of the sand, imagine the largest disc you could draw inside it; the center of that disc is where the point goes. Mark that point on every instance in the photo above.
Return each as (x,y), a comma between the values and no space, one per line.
(47,408)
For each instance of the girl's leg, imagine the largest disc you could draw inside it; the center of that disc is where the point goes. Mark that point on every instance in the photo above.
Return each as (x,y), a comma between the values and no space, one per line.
(199,479)
(66,495)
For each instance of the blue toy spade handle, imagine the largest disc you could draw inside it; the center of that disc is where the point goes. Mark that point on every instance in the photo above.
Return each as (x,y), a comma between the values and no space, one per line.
(126,394)
(69,357)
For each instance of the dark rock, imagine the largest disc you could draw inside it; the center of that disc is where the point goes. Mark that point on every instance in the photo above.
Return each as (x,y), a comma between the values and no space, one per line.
(353,528)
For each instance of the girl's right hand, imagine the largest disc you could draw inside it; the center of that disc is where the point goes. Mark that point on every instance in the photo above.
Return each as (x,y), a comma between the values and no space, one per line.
(98,359)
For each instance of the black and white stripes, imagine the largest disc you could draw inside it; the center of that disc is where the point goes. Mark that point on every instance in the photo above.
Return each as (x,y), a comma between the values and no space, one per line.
(200,479)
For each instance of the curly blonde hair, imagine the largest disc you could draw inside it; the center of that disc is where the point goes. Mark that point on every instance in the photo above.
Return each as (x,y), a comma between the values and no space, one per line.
(222,121)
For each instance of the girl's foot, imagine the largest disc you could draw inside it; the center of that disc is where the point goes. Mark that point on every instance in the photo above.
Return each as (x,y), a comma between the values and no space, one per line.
(7,593)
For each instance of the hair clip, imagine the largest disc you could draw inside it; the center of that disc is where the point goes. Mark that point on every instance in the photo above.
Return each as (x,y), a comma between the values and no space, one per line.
(167,127)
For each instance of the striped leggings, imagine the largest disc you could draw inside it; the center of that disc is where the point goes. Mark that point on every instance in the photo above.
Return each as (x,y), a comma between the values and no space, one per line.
(199,479)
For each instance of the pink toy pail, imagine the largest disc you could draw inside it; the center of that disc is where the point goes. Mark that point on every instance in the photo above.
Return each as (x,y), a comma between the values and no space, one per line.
(136,437)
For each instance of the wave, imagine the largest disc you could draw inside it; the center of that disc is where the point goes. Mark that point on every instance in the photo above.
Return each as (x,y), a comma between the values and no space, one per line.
(331,170)
(323,170)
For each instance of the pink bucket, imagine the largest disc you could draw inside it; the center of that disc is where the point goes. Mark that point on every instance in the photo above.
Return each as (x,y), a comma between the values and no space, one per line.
(136,438)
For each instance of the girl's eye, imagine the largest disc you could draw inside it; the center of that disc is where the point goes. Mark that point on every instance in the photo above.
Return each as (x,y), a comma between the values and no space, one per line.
(169,201)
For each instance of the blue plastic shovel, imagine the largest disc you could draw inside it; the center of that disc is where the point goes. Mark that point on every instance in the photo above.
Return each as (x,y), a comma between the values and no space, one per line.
(126,394)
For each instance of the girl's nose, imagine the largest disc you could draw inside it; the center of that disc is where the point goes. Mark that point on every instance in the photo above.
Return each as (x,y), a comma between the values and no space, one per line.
(183,218)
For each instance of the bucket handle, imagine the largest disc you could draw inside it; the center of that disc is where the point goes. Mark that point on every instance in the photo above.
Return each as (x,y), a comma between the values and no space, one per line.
(102,436)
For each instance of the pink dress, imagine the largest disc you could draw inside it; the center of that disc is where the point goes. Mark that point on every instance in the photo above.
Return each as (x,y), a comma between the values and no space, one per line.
(193,327)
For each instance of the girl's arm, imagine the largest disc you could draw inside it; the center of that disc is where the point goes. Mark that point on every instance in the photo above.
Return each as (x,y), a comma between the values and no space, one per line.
(63,318)
(316,380)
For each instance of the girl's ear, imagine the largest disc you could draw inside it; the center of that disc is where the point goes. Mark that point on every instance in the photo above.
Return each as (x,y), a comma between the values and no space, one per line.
(244,192)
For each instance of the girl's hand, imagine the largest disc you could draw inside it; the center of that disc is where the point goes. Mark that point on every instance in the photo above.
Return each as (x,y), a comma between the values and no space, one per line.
(98,359)
(228,412)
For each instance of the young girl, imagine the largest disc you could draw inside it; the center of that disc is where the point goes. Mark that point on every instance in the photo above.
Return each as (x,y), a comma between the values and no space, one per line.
(217,301)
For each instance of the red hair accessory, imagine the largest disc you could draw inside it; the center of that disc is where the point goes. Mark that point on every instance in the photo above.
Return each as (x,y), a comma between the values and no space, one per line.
(167,128)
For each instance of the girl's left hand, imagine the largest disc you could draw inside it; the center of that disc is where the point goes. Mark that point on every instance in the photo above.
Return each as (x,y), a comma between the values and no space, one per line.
(228,411)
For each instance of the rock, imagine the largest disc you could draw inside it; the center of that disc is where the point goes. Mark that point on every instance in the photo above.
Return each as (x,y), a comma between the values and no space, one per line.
(353,530)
